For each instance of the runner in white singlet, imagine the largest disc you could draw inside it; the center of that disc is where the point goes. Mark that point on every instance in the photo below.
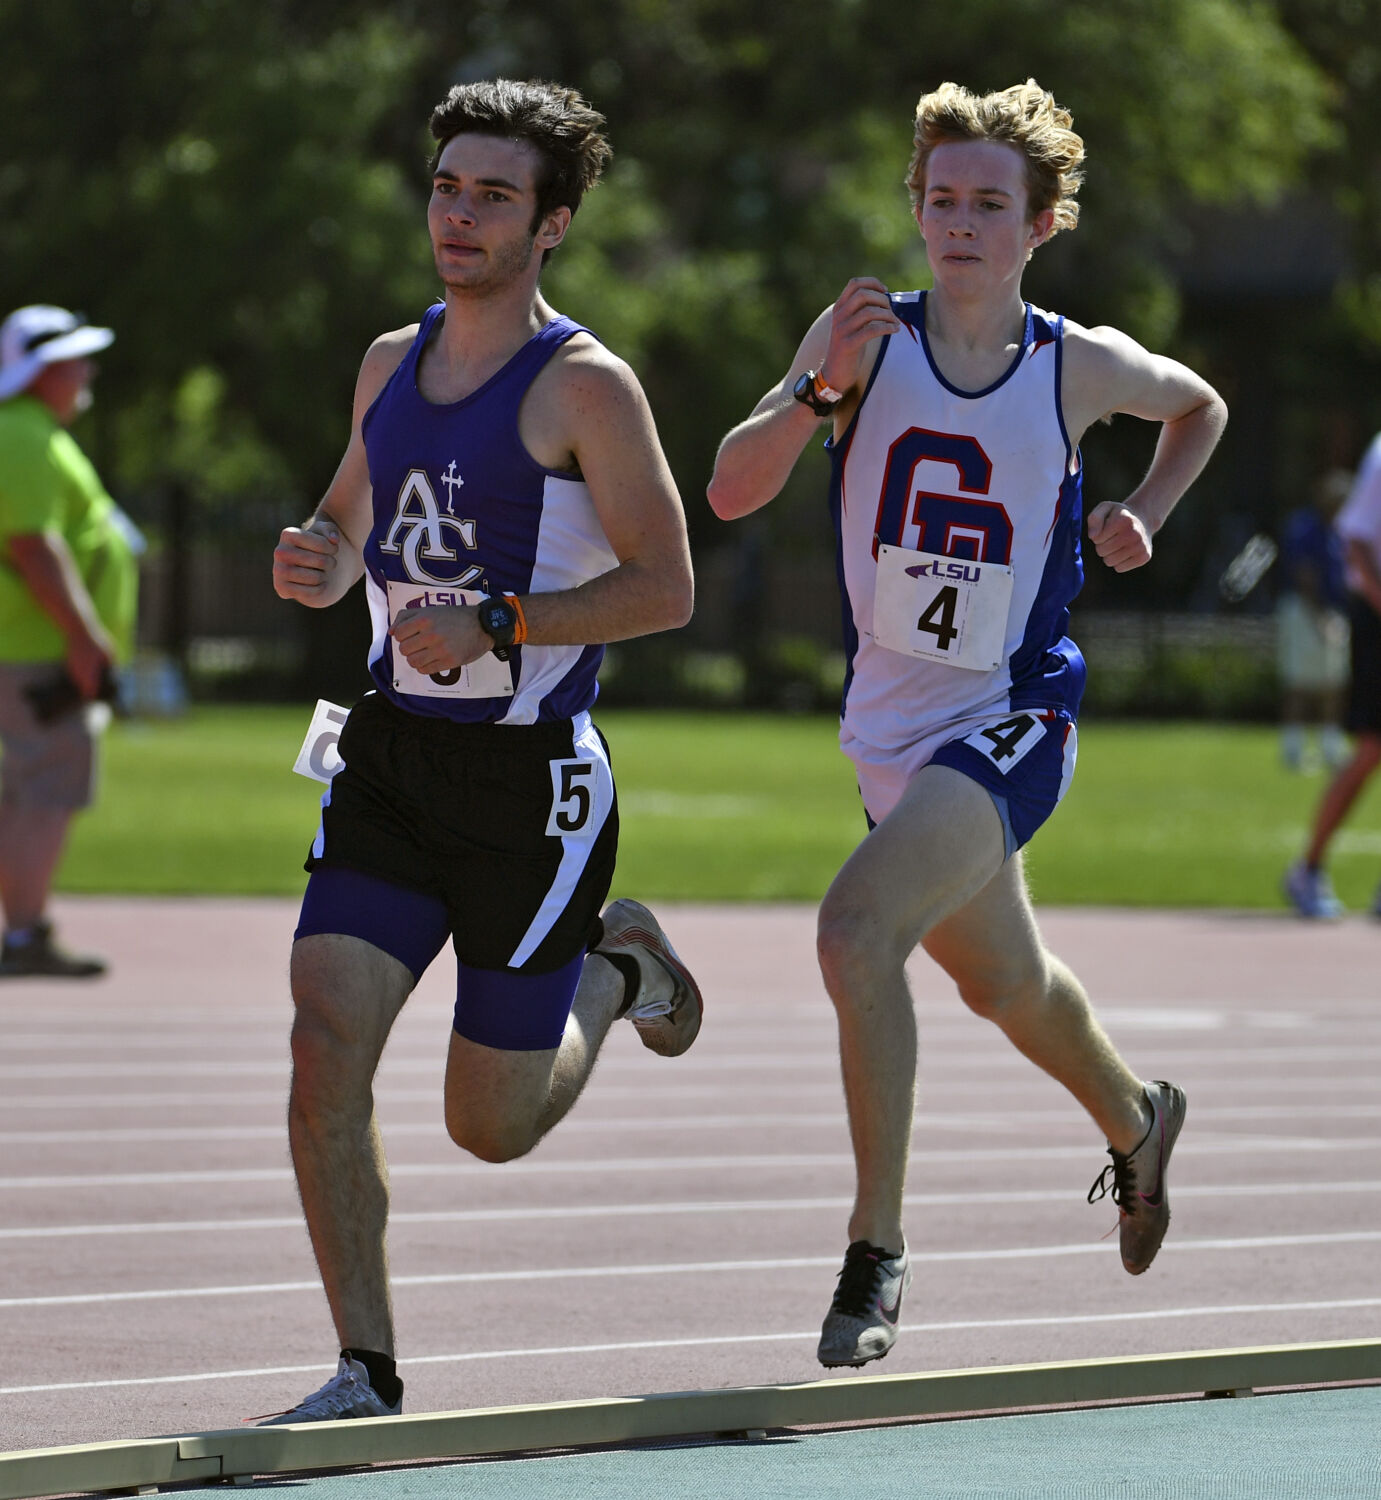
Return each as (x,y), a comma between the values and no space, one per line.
(956,417)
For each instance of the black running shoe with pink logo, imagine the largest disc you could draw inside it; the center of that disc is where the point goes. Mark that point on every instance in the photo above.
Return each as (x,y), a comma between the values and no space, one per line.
(1138,1180)
(862,1320)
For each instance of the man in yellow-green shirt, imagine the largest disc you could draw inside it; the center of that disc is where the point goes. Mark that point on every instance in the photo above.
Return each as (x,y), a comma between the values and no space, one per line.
(68,581)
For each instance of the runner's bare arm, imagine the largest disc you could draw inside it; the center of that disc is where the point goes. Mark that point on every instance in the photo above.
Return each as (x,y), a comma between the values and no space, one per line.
(614,441)
(1106,372)
(757,457)
(606,425)
(318,562)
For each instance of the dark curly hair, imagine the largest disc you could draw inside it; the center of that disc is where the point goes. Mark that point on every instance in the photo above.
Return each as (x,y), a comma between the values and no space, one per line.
(559,125)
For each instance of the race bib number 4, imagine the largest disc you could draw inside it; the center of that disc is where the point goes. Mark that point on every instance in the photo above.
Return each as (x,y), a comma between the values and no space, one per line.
(942,608)
(486,678)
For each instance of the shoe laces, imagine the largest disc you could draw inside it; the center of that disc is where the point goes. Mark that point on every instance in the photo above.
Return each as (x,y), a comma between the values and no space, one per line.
(860,1280)
(342,1391)
(1123,1184)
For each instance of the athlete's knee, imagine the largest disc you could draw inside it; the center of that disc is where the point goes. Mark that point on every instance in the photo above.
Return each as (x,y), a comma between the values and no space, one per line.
(324,1032)
(997,990)
(329,1073)
(853,946)
(993,998)
(334,1046)
(490,1140)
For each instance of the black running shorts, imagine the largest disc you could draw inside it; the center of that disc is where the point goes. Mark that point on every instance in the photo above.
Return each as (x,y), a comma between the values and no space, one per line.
(513,827)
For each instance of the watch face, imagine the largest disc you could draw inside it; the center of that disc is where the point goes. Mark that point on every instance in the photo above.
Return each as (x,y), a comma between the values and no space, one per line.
(805,392)
(498,619)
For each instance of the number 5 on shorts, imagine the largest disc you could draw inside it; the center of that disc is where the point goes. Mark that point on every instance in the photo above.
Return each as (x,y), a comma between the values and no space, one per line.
(572,797)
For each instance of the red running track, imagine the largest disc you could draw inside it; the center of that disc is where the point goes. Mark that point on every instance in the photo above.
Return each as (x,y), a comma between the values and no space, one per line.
(682,1228)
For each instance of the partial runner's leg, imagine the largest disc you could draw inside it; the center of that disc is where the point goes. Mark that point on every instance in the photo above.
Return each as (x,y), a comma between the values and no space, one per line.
(500,1101)
(941,845)
(504,1089)
(1342,792)
(993,951)
(347,995)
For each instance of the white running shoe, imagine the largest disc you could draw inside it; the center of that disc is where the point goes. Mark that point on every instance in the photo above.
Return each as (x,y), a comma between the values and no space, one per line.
(862,1321)
(345,1396)
(668,1008)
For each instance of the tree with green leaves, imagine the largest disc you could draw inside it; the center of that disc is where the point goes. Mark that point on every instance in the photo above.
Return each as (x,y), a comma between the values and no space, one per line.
(239,191)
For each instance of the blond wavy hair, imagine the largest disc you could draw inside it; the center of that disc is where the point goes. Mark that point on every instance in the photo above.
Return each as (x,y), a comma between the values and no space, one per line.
(1025,116)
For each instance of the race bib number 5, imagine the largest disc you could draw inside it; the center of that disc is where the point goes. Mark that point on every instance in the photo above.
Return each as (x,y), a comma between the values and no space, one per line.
(946,609)
(486,678)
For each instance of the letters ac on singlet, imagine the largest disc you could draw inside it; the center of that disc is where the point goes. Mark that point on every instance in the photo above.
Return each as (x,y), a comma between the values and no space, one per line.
(463,511)
(420,532)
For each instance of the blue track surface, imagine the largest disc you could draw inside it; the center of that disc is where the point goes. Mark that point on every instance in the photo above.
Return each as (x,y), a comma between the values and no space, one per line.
(1302,1446)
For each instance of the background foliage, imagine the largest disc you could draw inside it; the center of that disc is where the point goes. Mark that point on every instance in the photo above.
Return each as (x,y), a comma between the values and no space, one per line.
(239,190)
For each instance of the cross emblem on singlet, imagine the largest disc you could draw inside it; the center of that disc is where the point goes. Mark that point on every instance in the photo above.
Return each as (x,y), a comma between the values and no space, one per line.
(452,480)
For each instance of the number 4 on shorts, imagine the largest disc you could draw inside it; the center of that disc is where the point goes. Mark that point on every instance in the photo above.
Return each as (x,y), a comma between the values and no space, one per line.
(1005,742)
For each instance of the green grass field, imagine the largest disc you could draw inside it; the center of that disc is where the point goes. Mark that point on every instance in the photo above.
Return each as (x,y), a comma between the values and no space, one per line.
(737,807)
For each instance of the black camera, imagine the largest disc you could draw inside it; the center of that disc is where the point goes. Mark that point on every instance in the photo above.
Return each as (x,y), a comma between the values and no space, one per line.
(57,696)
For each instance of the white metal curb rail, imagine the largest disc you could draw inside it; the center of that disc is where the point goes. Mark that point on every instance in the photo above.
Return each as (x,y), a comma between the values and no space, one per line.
(145,1463)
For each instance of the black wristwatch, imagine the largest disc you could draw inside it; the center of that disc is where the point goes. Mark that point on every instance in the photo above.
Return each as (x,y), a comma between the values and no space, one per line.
(498,618)
(810,390)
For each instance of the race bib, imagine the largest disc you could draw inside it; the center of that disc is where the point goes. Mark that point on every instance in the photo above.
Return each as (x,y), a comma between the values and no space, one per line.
(318,759)
(579,798)
(486,678)
(1006,742)
(942,608)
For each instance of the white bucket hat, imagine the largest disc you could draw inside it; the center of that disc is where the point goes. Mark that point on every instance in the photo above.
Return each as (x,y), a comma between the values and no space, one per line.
(41,335)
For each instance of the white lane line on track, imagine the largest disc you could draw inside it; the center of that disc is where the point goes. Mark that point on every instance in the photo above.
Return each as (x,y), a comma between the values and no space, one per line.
(719,1061)
(991,1121)
(939,1037)
(743,1021)
(1317,1187)
(1246,1309)
(1038,1085)
(695,1268)
(1200,1145)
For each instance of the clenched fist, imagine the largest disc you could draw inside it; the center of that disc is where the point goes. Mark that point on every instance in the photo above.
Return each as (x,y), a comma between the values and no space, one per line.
(304,560)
